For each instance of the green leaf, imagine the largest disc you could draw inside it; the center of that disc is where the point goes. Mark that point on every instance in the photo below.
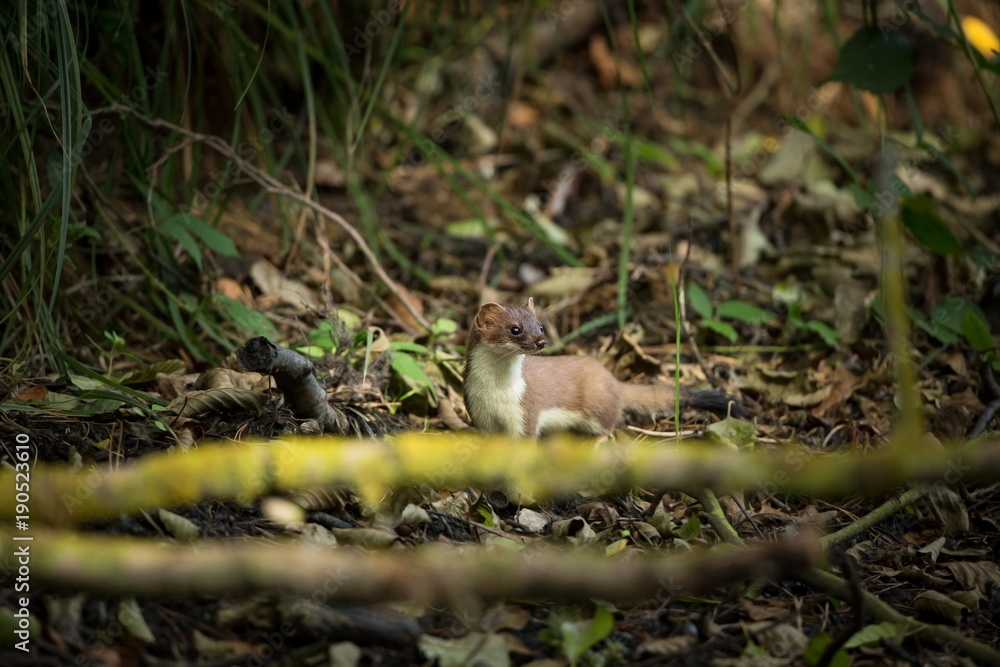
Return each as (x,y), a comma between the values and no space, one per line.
(689,530)
(816,646)
(705,155)
(699,301)
(616,547)
(210,236)
(731,433)
(322,339)
(983,258)
(175,229)
(651,153)
(407,346)
(722,329)
(247,320)
(444,326)
(951,311)
(922,219)
(487,515)
(862,197)
(994,361)
(873,635)
(324,336)
(795,315)
(130,617)
(469,229)
(976,331)
(407,366)
(877,62)
(743,311)
(179,527)
(115,338)
(943,333)
(579,636)
(827,333)
(347,319)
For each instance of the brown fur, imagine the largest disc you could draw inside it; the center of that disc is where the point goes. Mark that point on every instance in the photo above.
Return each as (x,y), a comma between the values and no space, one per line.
(573,386)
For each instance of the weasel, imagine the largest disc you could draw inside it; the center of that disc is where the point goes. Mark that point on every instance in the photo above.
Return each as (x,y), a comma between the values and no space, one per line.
(508,390)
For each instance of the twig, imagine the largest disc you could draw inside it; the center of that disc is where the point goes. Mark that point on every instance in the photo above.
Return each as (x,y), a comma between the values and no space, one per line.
(730,91)
(846,590)
(485,272)
(717,518)
(857,608)
(296,379)
(274,186)
(876,516)
(949,638)
(994,405)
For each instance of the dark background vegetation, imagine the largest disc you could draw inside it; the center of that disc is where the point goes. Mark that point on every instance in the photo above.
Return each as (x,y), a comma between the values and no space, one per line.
(794,202)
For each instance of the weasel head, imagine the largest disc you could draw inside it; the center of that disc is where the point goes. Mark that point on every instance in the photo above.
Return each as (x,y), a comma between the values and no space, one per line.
(511,328)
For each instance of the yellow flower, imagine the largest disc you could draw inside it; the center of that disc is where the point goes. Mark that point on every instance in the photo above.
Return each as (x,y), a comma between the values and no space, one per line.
(981,36)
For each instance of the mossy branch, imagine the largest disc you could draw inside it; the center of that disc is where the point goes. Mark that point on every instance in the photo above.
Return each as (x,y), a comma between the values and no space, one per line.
(950,639)
(433,574)
(556,468)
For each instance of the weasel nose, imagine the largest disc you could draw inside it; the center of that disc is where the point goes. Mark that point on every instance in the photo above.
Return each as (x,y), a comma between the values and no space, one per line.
(541,343)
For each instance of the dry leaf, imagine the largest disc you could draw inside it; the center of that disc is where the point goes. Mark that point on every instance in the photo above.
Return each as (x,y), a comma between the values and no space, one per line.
(522,114)
(603,60)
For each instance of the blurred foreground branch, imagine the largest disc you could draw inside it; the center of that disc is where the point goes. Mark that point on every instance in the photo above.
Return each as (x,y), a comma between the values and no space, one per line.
(556,468)
(434,574)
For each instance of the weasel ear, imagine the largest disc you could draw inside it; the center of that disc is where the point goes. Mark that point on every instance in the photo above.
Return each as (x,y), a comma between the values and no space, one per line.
(531,303)
(488,312)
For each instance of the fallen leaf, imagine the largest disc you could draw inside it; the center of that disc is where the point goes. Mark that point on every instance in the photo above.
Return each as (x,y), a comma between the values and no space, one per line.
(522,114)
(608,72)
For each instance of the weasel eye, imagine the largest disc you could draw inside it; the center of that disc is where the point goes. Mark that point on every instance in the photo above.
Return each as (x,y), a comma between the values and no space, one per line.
(541,329)
(515,331)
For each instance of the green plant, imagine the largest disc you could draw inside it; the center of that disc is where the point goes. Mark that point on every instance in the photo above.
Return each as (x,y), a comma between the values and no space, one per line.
(828,334)
(574,636)
(340,334)
(711,318)
(409,370)
(117,343)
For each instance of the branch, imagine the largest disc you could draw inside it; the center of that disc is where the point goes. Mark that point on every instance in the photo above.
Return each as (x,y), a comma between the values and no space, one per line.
(430,575)
(564,465)
(295,378)
(947,638)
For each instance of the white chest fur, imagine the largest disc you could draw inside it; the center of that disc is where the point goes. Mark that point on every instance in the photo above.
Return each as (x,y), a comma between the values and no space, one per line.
(494,388)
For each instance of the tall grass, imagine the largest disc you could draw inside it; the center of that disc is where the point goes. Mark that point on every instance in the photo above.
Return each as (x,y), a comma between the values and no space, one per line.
(112,222)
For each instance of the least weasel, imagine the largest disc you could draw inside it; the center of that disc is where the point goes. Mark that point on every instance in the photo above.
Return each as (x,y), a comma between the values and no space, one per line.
(507,390)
